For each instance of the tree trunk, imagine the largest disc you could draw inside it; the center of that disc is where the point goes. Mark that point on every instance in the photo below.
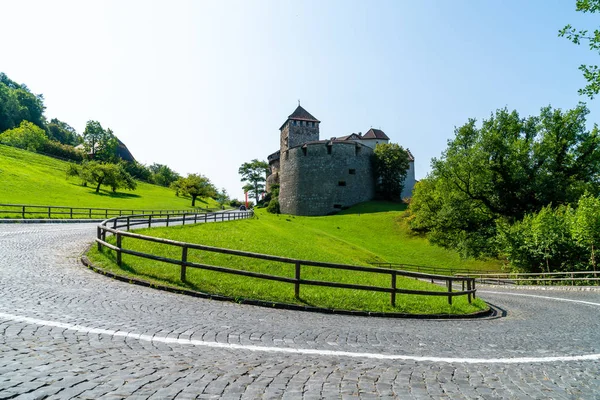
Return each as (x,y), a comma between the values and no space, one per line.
(194,200)
(98,187)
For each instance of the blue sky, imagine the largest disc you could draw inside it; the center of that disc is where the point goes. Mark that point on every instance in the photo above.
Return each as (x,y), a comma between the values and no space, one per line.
(203,86)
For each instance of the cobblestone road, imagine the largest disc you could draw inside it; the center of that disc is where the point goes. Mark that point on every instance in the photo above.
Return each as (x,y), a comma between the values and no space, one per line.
(66,332)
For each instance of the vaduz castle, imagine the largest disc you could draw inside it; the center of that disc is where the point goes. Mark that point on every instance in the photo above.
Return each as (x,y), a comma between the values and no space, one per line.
(319,177)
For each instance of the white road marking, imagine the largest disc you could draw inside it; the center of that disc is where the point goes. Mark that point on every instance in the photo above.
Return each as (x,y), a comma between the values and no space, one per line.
(540,297)
(315,352)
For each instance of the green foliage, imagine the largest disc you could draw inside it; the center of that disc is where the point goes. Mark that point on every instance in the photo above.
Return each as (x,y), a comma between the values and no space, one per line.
(101,143)
(138,170)
(586,225)
(509,167)
(194,185)
(63,133)
(273,206)
(96,173)
(591,73)
(26,136)
(235,203)
(254,173)
(391,163)
(18,104)
(163,175)
(63,151)
(221,197)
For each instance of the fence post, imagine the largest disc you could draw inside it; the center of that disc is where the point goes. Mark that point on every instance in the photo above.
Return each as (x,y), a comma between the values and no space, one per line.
(473,286)
(128,223)
(167,219)
(49,211)
(469,289)
(450,291)
(183,221)
(23,212)
(119,241)
(297,284)
(184,252)
(71,211)
(99,236)
(149,221)
(195,217)
(204,217)
(393,288)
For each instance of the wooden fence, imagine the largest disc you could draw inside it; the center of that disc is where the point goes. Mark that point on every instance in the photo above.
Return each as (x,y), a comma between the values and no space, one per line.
(430,269)
(543,278)
(114,226)
(58,212)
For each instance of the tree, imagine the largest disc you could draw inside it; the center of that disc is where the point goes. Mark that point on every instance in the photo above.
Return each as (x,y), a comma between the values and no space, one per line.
(391,164)
(222,197)
(26,136)
(163,175)
(63,132)
(586,225)
(194,185)
(96,173)
(591,73)
(99,142)
(254,173)
(18,104)
(509,167)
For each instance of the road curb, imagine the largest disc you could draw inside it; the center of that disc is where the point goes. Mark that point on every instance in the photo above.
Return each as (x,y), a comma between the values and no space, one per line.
(48,221)
(283,306)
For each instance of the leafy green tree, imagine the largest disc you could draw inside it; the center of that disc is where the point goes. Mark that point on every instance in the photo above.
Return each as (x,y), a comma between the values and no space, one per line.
(194,185)
(591,73)
(254,173)
(63,132)
(98,174)
(222,197)
(163,175)
(586,225)
(99,142)
(509,167)
(391,164)
(26,136)
(18,103)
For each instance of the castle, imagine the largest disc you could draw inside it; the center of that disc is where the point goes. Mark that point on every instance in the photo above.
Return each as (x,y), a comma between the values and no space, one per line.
(319,177)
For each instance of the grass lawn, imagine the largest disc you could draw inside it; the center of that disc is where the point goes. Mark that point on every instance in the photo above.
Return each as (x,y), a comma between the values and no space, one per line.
(366,233)
(34,179)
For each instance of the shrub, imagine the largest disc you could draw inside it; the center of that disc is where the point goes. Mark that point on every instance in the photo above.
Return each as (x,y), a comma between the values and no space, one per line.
(26,136)
(59,150)
(273,206)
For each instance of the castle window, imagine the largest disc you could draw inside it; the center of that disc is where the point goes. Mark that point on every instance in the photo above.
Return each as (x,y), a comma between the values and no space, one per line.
(294,122)
(352,171)
(304,150)
(357,150)
(285,141)
(328,149)
(341,183)
(337,206)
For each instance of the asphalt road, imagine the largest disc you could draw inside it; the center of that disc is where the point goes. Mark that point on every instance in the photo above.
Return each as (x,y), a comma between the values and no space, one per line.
(67,332)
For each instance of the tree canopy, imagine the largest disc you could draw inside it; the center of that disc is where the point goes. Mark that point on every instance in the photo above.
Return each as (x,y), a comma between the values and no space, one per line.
(591,73)
(391,164)
(254,173)
(507,168)
(194,185)
(107,174)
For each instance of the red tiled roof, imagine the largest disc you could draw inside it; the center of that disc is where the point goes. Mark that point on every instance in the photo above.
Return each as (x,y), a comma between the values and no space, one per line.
(375,134)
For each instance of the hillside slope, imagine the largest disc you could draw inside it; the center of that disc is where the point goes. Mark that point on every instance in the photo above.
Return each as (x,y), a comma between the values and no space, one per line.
(30,178)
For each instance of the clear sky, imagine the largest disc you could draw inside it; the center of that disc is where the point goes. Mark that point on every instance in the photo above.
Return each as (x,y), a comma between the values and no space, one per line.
(204,86)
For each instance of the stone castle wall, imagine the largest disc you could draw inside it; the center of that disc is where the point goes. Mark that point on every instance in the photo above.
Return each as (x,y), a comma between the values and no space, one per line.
(321,178)
(301,133)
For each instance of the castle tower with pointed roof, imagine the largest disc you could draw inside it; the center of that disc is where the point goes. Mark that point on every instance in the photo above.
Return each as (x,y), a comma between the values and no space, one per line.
(300,127)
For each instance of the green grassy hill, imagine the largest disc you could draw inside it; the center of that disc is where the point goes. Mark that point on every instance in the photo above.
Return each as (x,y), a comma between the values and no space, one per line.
(369,232)
(30,178)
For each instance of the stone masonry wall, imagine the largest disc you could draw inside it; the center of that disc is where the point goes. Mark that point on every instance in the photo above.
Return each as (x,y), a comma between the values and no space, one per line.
(316,182)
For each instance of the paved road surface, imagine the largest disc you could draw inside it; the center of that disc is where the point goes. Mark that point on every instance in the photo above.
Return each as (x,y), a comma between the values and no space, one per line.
(66,332)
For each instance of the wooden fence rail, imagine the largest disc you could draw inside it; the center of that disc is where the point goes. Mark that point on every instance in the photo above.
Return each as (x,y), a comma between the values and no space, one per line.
(430,269)
(26,210)
(543,278)
(114,226)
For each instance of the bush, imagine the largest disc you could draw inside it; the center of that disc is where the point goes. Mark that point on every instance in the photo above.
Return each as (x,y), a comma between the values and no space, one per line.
(59,150)
(273,206)
(26,136)
(235,203)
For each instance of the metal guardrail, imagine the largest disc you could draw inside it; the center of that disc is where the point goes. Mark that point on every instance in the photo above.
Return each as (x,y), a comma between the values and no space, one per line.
(59,212)
(183,262)
(542,278)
